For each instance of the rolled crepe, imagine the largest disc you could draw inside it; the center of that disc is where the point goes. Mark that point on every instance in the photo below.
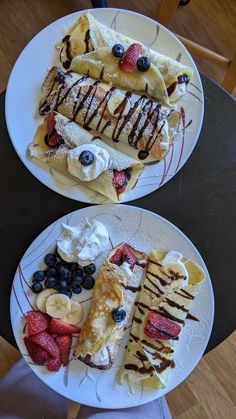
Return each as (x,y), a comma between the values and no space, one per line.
(115,287)
(120,115)
(71,136)
(148,361)
(87,34)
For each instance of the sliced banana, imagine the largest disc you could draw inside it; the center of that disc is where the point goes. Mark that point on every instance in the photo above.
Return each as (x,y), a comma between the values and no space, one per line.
(58,305)
(42,298)
(76,313)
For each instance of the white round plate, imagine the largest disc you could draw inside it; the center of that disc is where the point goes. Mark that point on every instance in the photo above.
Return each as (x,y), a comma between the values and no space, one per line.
(23,93)
(145,231)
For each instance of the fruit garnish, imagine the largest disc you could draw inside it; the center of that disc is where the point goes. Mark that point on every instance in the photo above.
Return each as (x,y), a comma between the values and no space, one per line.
(54,364)
(50,259)
(36,287)
(183,78)
(38,355)
(118,50)
(129,60)
(58,305)
(38,276)
(89,269)
(52,138)
(117,258)
(46,342)
(42,298)
(143,63)
(160,327)
(76,313)
(58,327)
(86,158)
(129,256)
(118,314)
(88,282)
(36,322)
(64,345)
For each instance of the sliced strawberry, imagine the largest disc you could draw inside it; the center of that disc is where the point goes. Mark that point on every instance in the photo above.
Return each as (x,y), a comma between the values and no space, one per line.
(160,327)
(52,138)
(119,181)
(38,355)
(129,256)
(64,345)
(58,327)
(36,322)
(54,364)
(129,60)
(117,258)
(51,122)
(46,342)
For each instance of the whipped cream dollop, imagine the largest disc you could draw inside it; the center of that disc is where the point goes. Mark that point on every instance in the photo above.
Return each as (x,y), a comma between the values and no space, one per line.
(173,261)
(92,171)
(83,243)
(179,91)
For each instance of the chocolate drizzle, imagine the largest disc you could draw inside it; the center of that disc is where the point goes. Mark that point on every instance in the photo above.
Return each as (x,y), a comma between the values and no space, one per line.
(86,40)
(185,294)
(137,320)
(191,317)
(174,304)
(150,290)
(130,288)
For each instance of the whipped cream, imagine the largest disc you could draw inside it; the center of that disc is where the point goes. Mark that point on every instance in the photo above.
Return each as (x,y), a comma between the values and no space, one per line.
(87,173)
(83,243)
(125,267)
(173,261)
(179,91)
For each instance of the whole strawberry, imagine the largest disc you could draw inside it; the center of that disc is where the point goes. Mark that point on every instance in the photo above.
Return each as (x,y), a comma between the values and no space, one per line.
(129,60)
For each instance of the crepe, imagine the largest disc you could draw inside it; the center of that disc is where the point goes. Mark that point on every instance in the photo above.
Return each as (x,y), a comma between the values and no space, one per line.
(148,361)
(87,34)
(72,135)
(115,287)
(120,115)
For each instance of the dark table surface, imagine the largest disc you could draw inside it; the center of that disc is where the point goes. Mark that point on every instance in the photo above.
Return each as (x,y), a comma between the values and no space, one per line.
(200,200)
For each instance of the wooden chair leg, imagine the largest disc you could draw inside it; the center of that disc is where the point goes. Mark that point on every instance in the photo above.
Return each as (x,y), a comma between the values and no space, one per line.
(229,81)
(166,11)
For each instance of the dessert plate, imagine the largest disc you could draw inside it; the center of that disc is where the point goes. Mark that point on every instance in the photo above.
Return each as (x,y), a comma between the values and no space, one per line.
(23,93)
(146,231)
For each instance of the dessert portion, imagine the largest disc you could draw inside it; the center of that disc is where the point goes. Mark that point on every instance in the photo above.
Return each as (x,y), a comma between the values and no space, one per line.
(120,115)
(115,291)
(170,286)
(77,153)
(87,34)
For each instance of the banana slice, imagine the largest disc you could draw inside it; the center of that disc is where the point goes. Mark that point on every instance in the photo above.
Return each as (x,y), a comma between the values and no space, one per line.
(76,313)
(42,298)
(58,305)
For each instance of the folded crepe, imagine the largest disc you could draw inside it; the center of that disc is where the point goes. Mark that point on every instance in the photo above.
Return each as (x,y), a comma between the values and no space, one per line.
(120,115)
(166,296)
(114,294)
(87,34)
(58,136)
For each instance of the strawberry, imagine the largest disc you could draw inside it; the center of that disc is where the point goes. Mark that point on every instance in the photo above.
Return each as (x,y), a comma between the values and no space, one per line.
(117,258)
(36,322)
(52,138)
(46,342)
(64,344)
(58,327)
(160,327)
(129,256)
(119,181)
(38,355)
(51,122)
(54,364)
(129,60)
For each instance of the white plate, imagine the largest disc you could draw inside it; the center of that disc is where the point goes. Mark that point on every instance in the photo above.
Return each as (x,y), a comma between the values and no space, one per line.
(146,231)
(27,76)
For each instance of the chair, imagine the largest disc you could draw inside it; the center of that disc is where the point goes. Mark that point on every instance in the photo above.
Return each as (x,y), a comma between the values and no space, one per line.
(165,15)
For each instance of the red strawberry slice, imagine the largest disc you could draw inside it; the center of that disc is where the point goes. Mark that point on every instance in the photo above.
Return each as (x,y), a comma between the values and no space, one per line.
(52,138)
(117,258)
(38,355)
(51,122)
(58,327)
(129,60)
(64,345)
(54,364)
(119,181)
(36,322)
(129,256)
(46,342)
(160,327)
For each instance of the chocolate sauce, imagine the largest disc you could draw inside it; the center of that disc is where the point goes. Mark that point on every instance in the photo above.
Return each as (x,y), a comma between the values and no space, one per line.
(166,313)
(107,124)
(154,285)
(130,288)
(191,317)
(142,155)
(141,356)
(171,88)
(162,280)
(101,74)
(140,310)
(153,292)
(135,338)
(163,365)
(186,294)
(174,304)
(167,349)
(137,320)
(121,107)
(86,40)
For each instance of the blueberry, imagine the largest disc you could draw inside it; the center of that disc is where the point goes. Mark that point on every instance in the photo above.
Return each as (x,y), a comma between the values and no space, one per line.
(183,78)
(63,284)
(88,282)
(118,50)
(36,287)
(86,158)
(78,272)
(90,269)
(77,289)
(50,259)
(67,292)
(77,280)
(50,282)
(143,63)
(118,314)
(62,263)
(73,266)
(38,276)
(63,272)
(51,271)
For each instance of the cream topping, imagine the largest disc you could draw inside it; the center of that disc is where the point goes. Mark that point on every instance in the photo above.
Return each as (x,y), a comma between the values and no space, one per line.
(87,173)
(173,262)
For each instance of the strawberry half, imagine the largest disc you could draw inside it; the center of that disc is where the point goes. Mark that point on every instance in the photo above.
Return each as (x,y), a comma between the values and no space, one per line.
(46,342)
(64,345)
(117,258)
(52,138)
(160,327)
(129,60)
(129,256)
(54,364)
(58,327)
(36,322)
(38,355)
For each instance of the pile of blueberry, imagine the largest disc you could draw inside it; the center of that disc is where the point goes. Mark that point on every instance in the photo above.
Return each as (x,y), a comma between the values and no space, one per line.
(64,277)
